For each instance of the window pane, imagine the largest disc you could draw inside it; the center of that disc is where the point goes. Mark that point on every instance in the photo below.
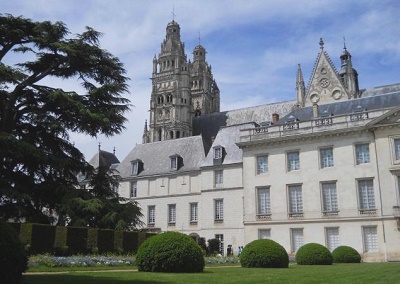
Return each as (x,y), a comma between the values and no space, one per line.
(326,156)
(370,239)
(171,213)
(152,214)
(366,194)
(397,148)
(133,192)
(217,153)
(362,154)
(297,239)
(295,199)
(193,212)
(220,237)
(134,167)
(332,238)
(293,161)
(264,233)
(262,164)
(219,209)
(173,163)
(218,176)
(264,201)
(329,197)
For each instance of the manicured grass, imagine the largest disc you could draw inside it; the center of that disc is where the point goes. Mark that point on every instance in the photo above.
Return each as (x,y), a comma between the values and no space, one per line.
(337,273)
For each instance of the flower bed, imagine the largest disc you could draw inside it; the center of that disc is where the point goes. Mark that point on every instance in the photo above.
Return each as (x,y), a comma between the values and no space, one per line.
(79,261)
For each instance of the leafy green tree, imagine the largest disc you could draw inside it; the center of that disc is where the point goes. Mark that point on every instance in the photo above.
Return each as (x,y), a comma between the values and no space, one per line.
(99,206)
(38,162)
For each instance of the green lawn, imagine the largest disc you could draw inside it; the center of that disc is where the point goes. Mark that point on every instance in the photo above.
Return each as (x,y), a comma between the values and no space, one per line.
(337,273)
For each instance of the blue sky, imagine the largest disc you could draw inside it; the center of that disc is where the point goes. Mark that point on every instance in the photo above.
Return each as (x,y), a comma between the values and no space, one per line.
(254,46)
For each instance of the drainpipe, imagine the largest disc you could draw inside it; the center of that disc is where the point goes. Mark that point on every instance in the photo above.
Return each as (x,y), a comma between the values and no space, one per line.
(380,194)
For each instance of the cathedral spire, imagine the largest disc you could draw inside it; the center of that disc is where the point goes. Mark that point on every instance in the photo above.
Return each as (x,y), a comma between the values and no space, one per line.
(300,87)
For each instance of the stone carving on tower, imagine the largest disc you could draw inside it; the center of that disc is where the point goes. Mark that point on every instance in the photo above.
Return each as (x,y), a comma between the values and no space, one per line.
(327,84)
(180,89)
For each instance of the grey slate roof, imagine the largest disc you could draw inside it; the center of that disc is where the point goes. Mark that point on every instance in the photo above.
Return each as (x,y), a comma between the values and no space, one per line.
(103,159)
(155,156)
(208,125)
(227,138)
(380,100)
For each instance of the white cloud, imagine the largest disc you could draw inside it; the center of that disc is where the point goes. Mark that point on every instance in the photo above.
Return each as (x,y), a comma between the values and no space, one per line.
(254,46)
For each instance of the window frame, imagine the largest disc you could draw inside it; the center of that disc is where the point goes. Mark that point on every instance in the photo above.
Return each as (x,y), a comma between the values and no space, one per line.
(265,230)
(133,189)
(295,206)
(367,194)
(260,170)
(134,167)
(326,161)
(171,214)
(289,162)
(219,210)
(368,245)
(294,245)
(218,178)
(395,144)
(336,238)
(359,151)
(329,206)
(194,217)
(217,153)
(267,200)
(220,237)
(151,215)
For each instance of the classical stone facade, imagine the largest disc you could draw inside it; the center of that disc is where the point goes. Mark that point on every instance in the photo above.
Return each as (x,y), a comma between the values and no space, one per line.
(324,167)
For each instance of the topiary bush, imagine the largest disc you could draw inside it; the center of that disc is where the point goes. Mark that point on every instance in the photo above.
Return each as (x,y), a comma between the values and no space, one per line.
(314,254)
(170,252)
(13,261)
(264,253)
(346,254)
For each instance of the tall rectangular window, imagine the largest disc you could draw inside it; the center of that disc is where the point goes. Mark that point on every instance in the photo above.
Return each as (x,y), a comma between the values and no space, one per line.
(362,154)
(262,164)
(217,152)
(151,215)
(396,143)
(332,238)
(134,167)
(218,209)
(218,178)
(326,157)
(220,237)
(293,161)
(296,239)
(171,214)
(263,201)
(133,191)
(370,238)
(194,212)
(329,197)
(295,199)
(366,194)
(173,163)
(264,234)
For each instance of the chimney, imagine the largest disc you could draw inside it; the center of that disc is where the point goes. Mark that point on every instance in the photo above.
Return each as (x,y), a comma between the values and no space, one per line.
(275,117)
(315,110)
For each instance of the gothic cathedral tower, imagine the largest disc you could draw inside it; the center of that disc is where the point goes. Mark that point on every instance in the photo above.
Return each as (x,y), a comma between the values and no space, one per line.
(180,89)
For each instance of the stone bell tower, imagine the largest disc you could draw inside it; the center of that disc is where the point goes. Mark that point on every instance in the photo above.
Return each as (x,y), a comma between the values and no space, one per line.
(180,89)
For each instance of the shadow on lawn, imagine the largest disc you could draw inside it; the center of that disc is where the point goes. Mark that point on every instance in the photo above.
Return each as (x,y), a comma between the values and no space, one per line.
(79,279)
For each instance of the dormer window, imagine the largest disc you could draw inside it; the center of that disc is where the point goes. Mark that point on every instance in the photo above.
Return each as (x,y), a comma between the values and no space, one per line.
(218,155)
(175,162)
(136,167)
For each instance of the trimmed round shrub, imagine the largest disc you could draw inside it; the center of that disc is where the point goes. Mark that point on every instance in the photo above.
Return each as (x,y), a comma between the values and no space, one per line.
(264,253)
(314,254)
(346,254)
(170,252)
(13,261)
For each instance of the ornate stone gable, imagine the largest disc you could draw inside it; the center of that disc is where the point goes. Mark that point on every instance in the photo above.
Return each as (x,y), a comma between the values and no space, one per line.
(325,85)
